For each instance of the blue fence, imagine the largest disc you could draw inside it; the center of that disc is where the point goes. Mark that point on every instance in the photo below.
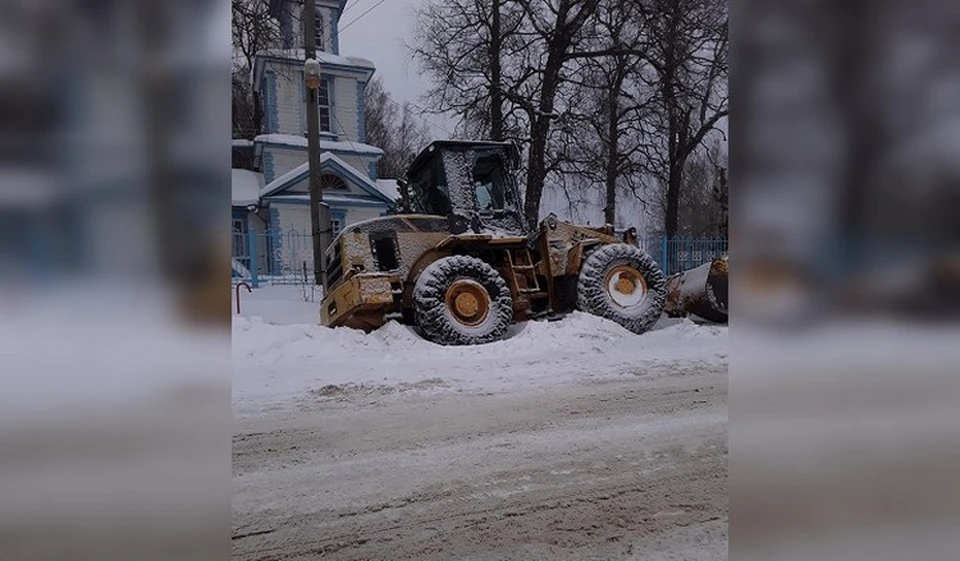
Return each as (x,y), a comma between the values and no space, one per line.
(679,254)
(272,257)
(286,257)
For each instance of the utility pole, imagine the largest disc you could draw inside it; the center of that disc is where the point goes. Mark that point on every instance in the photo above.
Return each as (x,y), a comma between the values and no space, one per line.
(319,212)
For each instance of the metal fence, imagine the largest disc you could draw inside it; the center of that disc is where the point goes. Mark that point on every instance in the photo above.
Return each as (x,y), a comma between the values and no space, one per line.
(286,257)
(273,257)
(679,254)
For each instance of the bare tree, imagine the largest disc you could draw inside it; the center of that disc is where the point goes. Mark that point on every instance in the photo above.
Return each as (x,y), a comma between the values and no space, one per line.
(601,92)
(609,140)
(501,75)
(254,28)
(556,27)
(394,128)
(468,47)
(687,67)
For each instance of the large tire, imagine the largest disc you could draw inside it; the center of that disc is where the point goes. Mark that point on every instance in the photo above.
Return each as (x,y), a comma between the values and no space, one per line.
(622,283)
(461,300)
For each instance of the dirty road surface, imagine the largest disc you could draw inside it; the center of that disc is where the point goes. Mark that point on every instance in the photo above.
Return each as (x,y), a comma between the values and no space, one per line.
(628,467)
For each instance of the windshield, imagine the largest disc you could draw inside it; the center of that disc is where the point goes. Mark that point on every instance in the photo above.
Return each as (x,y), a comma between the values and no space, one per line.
(428,196)
(488,182)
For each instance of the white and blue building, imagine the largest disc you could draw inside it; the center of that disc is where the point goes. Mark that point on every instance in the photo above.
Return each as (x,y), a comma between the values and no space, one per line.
(273,198)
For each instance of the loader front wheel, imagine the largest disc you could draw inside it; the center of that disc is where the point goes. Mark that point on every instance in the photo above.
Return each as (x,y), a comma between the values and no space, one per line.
(461,300)
(622,283)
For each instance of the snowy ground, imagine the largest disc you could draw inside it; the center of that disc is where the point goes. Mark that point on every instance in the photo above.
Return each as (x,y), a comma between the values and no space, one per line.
(572,439)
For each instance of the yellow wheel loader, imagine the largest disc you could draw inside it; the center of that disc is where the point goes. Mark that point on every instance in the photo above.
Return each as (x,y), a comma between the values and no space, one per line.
(457,260)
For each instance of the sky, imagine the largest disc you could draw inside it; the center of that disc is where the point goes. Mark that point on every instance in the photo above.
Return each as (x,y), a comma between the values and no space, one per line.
(379,36)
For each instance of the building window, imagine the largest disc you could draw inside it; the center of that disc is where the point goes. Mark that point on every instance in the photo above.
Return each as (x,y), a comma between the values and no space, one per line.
(318,22)
(330,181)
(323,102)
(318,27)
(335,226)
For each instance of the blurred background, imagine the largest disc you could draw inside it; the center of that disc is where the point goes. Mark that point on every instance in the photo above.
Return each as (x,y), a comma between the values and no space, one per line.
(114,180)
(845,223)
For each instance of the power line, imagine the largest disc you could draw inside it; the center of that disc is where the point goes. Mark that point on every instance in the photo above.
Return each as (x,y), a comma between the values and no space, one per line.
(351,5)
(347,136)
(358,18)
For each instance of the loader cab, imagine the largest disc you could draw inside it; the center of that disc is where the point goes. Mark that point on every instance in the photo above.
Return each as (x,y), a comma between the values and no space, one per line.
(471,183)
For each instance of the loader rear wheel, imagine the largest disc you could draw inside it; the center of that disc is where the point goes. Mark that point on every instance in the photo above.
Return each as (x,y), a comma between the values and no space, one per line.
(622,283)
(461,300)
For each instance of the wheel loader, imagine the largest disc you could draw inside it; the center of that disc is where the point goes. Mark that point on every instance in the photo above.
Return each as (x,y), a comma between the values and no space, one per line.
(457,260)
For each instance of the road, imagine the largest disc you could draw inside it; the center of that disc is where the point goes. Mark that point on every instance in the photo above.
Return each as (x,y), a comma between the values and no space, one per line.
(615,468)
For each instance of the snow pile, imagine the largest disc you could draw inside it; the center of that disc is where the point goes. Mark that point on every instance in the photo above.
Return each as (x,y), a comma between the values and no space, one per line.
(277,362)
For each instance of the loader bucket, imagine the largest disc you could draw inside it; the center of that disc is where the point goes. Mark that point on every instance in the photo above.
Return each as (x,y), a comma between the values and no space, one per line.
(701,291)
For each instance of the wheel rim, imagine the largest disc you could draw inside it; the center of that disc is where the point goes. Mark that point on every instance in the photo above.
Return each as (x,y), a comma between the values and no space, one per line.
(626,287)
(468,302)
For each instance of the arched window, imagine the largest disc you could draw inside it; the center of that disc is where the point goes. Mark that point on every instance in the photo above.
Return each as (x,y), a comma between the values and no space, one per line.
(329,181)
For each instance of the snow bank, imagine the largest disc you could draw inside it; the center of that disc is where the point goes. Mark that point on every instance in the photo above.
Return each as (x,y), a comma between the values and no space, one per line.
(276,362)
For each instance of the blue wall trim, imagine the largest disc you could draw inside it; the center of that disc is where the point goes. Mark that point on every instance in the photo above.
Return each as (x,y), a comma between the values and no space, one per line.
(361,113)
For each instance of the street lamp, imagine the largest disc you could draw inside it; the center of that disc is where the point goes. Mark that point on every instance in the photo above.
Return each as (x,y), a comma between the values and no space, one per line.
(311,73)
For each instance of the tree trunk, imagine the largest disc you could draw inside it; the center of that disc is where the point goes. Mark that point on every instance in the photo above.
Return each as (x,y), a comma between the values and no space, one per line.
(724,200)
(613,141)
(496,93)
(668,80)
(540,130)
(536,170)
(671,223)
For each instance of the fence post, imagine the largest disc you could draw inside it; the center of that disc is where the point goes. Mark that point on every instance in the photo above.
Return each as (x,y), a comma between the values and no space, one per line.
(254,254)
(664,254)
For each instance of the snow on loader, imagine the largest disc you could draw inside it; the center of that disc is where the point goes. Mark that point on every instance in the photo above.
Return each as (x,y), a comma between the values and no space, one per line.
(457,260)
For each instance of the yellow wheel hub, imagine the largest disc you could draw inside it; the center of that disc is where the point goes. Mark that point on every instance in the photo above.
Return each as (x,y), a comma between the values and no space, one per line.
(468,302)
(626,286)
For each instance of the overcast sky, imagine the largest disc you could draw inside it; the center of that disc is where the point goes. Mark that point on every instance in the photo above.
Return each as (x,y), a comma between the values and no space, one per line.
(379,36)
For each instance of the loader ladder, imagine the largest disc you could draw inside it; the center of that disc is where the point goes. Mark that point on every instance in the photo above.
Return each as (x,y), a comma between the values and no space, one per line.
(524,274)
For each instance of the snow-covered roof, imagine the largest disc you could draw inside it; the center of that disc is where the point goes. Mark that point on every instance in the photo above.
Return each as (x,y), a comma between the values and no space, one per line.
(245,186)
(301,171)
(330,198)
(241,142)
(389,188)
(298,56)
(301,142)
(322,57)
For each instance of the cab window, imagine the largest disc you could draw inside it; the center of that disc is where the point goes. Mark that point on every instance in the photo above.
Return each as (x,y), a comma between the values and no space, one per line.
(488,183)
